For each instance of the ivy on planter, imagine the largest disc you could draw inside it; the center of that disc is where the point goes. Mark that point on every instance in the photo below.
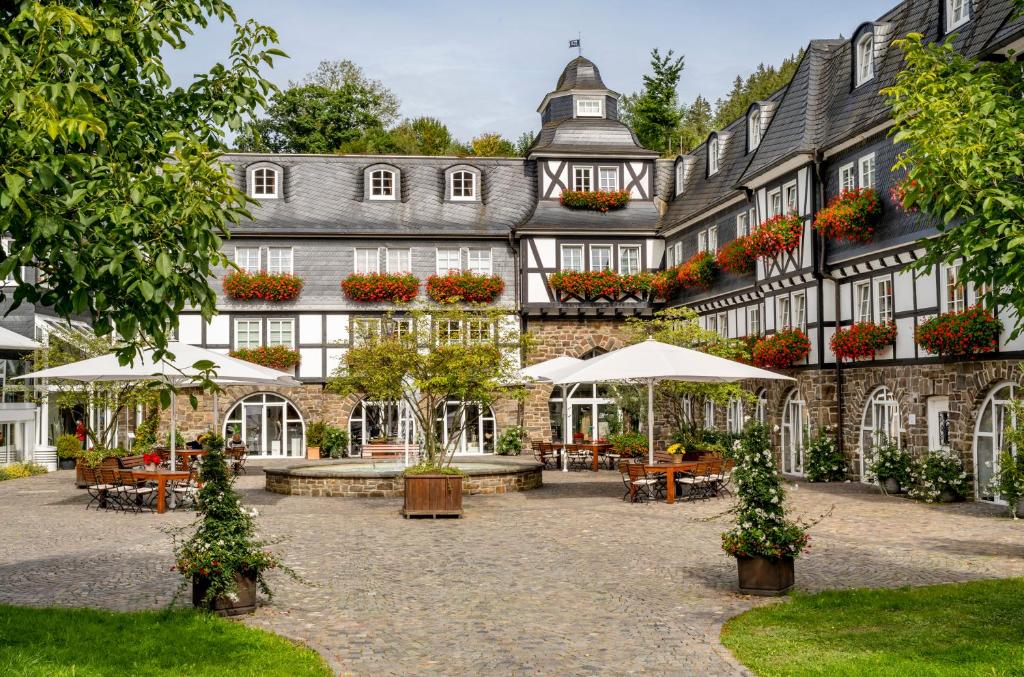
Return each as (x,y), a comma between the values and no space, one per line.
(968,332)
(465,286)
(242,285)
(862,340)
(737,257)
(699,271)
(381,287)
(782,349)
(779,234)
(595,200)
(275,357)
(851,215)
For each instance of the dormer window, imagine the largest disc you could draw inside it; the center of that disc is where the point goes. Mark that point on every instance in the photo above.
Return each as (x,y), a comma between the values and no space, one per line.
(712,155)
(382,184)
(264,183)
(958,12)
(680,178)
(865,58)
(589,106)
(463,186)
(753,129)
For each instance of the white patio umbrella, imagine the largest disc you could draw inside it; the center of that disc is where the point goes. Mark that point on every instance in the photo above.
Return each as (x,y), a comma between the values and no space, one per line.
(549,371)
(651,361)
(179,372)
(10,340)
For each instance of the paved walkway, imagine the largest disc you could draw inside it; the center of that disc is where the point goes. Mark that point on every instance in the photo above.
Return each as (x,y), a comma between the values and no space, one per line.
(565,580)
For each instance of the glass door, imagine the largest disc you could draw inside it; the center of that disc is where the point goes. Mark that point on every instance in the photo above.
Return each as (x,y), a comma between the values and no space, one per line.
(793,437)
(252,429)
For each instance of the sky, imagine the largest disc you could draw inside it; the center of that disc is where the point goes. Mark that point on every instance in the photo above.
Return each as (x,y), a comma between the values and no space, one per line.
(485,66)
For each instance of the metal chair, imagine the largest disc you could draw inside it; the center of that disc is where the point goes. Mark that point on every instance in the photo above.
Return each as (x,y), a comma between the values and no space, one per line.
(133,493)
(186,491)
(696,483)
(641,486)
(95,486)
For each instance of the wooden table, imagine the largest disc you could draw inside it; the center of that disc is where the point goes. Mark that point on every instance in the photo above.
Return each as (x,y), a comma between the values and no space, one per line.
(597,448)
(670,470)
(161,476)
(189,455)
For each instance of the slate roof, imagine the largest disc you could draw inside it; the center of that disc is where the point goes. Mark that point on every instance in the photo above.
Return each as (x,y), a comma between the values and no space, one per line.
(588,137)
(580,73)
(637,216)
(323,195)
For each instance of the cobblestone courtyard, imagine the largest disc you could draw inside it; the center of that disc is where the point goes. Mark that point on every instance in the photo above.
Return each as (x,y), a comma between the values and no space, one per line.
(563,580)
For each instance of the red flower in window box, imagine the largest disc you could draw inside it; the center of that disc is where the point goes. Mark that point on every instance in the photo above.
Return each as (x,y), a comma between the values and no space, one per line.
(779,234)
(381,287)
(664,283)
(905,188)
(586,284)
(699,271)
(464,286)
(782,349)
(968,332)
(862,340)
(737,257)
(851,215)
(242,285)
(595,200)
(275,357)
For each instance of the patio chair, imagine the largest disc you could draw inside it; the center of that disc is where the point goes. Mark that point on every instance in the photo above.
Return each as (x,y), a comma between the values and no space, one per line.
(642,486)
(612,458)
(95,486)
(186,491)
(236,460)
(725,479)
(134,494)
(695,484)
(580,459)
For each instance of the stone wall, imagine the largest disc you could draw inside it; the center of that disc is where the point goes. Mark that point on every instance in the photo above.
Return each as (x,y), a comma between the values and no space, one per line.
(391,487)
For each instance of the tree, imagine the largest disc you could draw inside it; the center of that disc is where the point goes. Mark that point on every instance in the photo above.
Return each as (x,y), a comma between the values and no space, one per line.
(961,121)
(335,75)
(524,143)
(435,365)
(111,182)
(424,136)
(492,145)
(654,113)
(696,125)
(759,85)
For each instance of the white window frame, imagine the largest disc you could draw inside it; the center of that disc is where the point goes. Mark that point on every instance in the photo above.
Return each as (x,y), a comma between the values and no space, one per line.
(866,170)
(579,174)
(449,332)
(711,322)
(680,178)
(723,325)
(861,301)
(954,292)
(712,239)
(479,331)
(790,198)
(773,208)
(381,187)
(277,325)
(702,241)
(285,260)
(479,261)
(865,53)
(679,252)
(626,264)
(743,224)
(709,414)
(577,250)
(847,178)
(885,301)
(713,156)
(259,176)
(784,312)
(607,250)
(952,6)
(754,130)
(368,255)
(755,326)
(586,108)
(393,260)
(800,310)
(249,322)
(608,186)
(670,256)
(466,188)
(358,335)
(443,260)
(734,416)
(246,265)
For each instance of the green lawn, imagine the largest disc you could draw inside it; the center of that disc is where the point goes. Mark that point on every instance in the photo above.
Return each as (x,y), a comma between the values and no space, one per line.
(85,642)
(963,629)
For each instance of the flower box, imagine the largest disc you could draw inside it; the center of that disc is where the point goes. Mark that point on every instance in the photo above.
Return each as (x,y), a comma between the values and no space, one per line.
(464,286)
(664,284)
(766,576)
(601,284)
(782,349)
(862,340)
(241,285)
(699,271)
(432,496)
(275,357)
(595,200)
(381,287)
(968,332)
(242,601)
(736,256)
(851,215)
(779,234)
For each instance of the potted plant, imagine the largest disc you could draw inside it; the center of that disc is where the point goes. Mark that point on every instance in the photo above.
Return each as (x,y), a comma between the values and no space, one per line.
(335,441)
(777,235)
(823,461)
(223,559)
(381,287)
(151,460)
(678,451)
(862,340)
(510,442)
(431,375)
(464,286)
(889,465)
(314,439)
(763,541)
(594,200)
(629,444)
(938,476)
(241,285)
(698,272)
(68,449)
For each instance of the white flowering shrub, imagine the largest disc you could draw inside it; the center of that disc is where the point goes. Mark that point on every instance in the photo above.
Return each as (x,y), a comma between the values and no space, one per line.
(823,461)
(887,460)
(936,472)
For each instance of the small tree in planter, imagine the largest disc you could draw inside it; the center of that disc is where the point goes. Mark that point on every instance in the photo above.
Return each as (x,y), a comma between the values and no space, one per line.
(938,477)
(889,464)
(449,361)
(224,559)
(823,461)
(68,449)
(763,541)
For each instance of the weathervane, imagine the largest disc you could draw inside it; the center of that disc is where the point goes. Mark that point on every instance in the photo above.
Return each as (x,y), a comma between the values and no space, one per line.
(576,43)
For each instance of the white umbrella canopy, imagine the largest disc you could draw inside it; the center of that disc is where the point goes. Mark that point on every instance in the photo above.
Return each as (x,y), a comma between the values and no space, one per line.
(550,371)
(10,340)
(651,361)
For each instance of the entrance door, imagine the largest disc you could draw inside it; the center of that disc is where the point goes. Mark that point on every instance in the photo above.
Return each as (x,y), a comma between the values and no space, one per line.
(793,436)
(252,429)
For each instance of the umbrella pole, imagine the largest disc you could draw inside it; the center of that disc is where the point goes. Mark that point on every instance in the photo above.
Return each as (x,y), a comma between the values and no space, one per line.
(650,420)
(174,430)
(565,428)
(215,412)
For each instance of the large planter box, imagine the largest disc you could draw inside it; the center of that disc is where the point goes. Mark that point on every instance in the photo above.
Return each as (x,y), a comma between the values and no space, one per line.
(433,496)
(312,453)
(765,576)
(244,604)
(108,462)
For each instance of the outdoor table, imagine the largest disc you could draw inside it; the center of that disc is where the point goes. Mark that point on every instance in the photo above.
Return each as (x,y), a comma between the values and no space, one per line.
(188,454)
(670,470)
(597,448)
(161,476)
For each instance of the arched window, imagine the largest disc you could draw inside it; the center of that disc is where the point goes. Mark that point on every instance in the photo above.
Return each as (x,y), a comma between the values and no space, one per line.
(713,155)
(734,416)
(995,415)
(264,182)
(589,409)
(382,184)
(794,427)
(709,414)
(268,425)
(468,429)
(389,421)
(865,58)
(753,129)
(880,422)
(463,185)
(761,409)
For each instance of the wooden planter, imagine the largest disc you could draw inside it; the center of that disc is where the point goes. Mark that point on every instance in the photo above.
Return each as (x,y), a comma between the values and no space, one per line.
(108,462)
(765,576)
(244,604)
(433,496)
